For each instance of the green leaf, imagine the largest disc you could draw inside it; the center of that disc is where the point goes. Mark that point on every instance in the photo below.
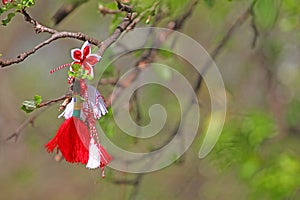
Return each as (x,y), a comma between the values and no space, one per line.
(111,5)
(6,8)
(37,99)
(28,3)
(28,106)
(76,67)
(265,13)
(25,4)
(8,19)
(85,75)
(70,73)
(25,109)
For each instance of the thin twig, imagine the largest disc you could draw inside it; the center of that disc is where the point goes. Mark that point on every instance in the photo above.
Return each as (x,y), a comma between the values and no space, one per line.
(50,102)
(66,9)
(138,116)
(124,7)
(137,182)
(148,57)
(16,134)
(115,35)
(104,11)
(140,16)
(180,21)
(59,35)
(237,23)
(37,26)
(255,31)
(121,8)
(130,17)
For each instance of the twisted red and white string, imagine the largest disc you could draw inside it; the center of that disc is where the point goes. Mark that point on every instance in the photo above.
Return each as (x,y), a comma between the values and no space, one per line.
(60,67)
(90,120)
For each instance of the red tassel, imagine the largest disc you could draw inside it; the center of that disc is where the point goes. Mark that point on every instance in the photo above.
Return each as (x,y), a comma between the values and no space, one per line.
(105,158)
(72,139)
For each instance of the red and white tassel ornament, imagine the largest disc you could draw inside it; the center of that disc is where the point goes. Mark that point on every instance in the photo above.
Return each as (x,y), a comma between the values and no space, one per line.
(77,137)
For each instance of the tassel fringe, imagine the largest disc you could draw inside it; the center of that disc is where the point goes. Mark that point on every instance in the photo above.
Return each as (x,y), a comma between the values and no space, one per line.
(72,139)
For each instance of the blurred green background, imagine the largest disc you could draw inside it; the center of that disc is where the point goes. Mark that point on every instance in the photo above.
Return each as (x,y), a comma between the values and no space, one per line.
(258,154)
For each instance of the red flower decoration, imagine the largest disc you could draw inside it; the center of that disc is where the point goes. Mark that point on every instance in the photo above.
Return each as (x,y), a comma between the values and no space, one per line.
(84,58)
(6,1)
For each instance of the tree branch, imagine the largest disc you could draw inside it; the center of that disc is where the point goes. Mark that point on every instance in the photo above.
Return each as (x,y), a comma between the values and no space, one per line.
(141,15)
(16,134)
(50,102)
(180,21)
(37,26)
(121,8)
(57,35)
(124,7)
(54,36)
(66,9)
(127,21)
(149,56)
(115,35)
(237,23)
(105,11)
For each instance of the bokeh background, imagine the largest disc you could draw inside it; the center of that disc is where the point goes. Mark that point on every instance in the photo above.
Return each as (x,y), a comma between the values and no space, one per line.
(258,154)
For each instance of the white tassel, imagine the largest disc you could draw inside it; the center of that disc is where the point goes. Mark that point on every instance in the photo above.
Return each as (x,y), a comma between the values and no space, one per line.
(94,156)
(96,102)
(67,113)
